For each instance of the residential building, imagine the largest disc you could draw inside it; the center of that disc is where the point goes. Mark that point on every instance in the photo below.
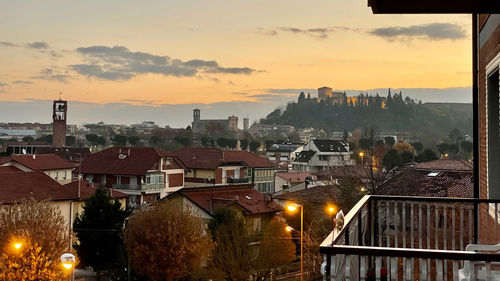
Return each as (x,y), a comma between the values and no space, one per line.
(22,147)
(18,186)
(7,134)
(283,154)
(284,180)
(146,174)
(74,155)
(419,238)
(271,130)
(213,166)
(145,128)
(256,208)
(320,155)
(52,165)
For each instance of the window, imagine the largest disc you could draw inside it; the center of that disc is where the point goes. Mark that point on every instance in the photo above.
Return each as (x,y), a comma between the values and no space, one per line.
(56,175)
(493,133)
(118,180)
(64,175)
(237,174)
(256,225)
(224,174)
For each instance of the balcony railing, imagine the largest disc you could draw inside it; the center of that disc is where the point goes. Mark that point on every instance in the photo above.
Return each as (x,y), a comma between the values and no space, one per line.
(143,187)
(412,238)
(233,180)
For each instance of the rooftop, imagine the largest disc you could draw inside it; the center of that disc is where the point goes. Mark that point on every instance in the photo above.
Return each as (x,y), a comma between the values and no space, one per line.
(244,196)
(211,158)
(123,160)
(39,162)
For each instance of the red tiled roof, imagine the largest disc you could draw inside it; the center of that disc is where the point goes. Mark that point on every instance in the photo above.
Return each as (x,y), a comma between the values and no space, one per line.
(294,176)
(445,164)
(244,196)
(39,162)
(7,169)
(136,161)
(18,186)
(211,158)
(413,182)
(319,194)
(86,190)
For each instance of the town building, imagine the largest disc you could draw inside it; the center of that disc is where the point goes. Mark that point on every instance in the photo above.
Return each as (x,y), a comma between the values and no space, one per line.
(146,174)
(285,180)
(18,186)
(283,154)
(8,134)
(22,147)
(52,165)
(256,208)
(145,128)
(213,126)
(271,130)
(213,166)
(321,155)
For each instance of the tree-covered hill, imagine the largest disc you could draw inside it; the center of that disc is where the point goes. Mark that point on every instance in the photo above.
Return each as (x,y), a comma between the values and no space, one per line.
(385,114)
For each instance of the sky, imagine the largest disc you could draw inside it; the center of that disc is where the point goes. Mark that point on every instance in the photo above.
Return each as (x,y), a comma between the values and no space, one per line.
(131,61)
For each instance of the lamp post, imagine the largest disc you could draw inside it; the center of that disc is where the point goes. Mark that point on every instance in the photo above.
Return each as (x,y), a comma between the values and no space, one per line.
(362,154)
(292,208)
(68,262)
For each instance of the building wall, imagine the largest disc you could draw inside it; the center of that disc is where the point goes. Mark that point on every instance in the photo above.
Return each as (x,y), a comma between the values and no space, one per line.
(487,52)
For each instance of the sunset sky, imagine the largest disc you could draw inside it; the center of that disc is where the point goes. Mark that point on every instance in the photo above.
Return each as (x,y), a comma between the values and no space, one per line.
(225,55)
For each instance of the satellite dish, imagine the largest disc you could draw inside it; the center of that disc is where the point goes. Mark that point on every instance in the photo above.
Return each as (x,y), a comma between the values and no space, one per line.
(24,150)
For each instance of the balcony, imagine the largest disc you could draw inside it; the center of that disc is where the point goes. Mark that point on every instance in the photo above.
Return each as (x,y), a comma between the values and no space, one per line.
(413,238)
(143,187)
(233,180)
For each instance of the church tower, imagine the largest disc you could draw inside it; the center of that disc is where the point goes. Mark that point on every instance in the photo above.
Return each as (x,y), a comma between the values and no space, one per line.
(59,111)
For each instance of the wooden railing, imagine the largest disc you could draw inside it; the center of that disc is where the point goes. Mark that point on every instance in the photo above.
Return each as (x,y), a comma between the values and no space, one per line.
(409,238)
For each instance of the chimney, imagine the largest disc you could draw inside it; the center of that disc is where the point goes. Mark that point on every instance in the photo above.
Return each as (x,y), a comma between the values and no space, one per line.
(268,199)
(236,198)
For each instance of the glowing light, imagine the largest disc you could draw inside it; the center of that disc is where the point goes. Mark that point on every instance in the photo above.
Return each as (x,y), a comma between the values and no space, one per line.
(67,265)
(18,246)
(363,189)
(288,228)
(291,208)
(331,209)
(361,154)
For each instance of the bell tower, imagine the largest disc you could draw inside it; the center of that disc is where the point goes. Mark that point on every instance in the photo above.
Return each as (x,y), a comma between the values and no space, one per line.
(59,115)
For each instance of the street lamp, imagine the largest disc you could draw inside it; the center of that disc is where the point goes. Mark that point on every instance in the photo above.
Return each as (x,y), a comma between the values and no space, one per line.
(68,262)
(292,207)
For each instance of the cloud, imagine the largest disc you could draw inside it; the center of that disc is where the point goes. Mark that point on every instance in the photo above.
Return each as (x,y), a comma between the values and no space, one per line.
(51,74)
(3,84)
(316,32)
(431,31)
(37,45)
(22,82)
(7,44)
(119,63)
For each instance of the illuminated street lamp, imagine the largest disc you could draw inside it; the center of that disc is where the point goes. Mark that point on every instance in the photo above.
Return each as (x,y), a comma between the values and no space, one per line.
(292,208)
(68,262)
(289,228)
(362,154)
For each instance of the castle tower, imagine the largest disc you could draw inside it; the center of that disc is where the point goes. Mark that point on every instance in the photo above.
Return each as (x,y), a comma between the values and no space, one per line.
(246,124)
(59,115)
(232,123)
(196,115)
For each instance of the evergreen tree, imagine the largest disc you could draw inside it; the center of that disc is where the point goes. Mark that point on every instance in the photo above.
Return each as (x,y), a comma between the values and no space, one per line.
(98,230)
(427,155)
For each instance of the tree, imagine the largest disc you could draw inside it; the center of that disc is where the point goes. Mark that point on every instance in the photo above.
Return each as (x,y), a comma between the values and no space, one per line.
(167,242)
(244,144)
(232,143)
(276,248)
(254,145)
(70,140)
(206,141)
(28,138)
(427,155)
(389,141)
(41,229)
(466,146)
(119,140)
(98,231)
(93,139)
(391,159)
(406,156)
(184,141)
(134,140)
(45,138)
(232,254)
(418,146)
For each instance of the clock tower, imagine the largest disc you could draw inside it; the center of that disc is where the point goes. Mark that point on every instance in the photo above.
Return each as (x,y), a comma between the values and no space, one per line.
(59,111)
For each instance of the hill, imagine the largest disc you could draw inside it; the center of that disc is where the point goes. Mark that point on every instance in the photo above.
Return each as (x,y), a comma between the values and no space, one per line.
(395,114)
